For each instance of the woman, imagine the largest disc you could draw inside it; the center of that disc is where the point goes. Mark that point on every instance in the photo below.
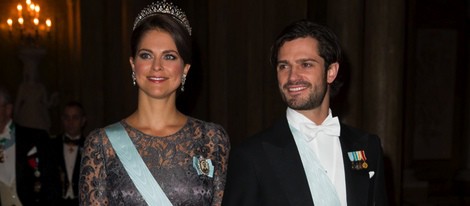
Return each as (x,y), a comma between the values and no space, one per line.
(186,157)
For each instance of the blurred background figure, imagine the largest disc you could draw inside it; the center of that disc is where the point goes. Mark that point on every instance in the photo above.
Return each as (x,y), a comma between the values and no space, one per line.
(33,102)
(67,149)
(24,169)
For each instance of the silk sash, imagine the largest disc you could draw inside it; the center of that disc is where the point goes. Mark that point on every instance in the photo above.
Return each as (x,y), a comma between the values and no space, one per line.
(135,166)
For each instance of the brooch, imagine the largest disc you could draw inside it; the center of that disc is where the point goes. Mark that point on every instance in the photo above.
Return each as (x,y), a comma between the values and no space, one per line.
(203,166)
(358,160)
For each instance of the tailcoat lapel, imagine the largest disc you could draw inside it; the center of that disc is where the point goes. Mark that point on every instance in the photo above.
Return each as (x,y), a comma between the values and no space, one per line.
(357,181)
(284,157)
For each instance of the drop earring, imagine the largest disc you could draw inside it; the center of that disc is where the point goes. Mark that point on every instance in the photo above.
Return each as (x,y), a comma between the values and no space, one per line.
(183,80)
(133,78)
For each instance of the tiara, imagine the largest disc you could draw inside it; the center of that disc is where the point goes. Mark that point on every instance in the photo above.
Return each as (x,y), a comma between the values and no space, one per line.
(165,8)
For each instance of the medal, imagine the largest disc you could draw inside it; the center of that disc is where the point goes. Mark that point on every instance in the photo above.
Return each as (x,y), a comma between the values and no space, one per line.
(70,149)
(37,186)
(34,164)
(37,173)
(358,160)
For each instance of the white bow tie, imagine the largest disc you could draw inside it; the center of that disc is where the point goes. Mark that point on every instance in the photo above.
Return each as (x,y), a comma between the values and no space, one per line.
(330,127)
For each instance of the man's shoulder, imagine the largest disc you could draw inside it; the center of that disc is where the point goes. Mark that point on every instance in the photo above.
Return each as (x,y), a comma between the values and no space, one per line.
(30,132)
(355,134)
(23,128)
(354,130)
(268,134)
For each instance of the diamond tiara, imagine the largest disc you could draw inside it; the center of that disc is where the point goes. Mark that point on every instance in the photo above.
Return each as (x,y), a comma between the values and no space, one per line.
(165,8)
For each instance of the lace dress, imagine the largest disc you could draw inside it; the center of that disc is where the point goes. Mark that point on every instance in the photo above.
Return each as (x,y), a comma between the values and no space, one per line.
(104,181)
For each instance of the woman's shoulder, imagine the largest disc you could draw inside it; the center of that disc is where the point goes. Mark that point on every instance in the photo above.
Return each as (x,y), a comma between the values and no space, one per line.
(209,132)
(99,133)
(95,135)
(205,125)
(102,129)
(214,131)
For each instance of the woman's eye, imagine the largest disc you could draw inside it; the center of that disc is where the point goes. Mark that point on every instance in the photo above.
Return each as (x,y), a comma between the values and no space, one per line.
(145,56)
(169,57)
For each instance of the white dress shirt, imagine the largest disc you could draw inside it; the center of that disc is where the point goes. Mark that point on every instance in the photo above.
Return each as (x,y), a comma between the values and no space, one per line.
(326,147)
(70,156)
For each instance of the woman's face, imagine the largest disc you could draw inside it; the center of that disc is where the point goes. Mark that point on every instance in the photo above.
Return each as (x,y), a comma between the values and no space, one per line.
(157,64)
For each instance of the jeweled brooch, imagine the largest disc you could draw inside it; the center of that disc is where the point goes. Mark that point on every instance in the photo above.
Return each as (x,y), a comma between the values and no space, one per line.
(203,166)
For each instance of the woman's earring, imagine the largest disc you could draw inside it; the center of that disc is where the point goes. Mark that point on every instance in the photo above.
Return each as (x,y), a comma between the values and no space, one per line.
(133,78)
(183,80)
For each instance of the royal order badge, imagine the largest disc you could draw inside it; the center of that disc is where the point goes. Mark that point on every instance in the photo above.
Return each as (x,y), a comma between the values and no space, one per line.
(203,166)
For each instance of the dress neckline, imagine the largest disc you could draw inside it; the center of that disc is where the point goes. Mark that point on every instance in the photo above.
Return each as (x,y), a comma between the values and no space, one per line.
(186,124)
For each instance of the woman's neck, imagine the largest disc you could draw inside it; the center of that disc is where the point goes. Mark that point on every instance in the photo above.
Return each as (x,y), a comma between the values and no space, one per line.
(157,117)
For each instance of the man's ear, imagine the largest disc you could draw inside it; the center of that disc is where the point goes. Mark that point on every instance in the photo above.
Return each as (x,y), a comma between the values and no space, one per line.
(332,72)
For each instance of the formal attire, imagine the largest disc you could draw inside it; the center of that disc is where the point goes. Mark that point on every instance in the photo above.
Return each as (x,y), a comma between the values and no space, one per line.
(172,160)
(268,169)
(67,156)
(26,173)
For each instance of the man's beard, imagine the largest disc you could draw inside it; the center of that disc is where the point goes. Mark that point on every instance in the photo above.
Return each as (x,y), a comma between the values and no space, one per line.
(312,101)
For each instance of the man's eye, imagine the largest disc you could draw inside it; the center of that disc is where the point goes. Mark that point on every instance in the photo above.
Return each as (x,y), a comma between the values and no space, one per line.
(307,65)
(281,66)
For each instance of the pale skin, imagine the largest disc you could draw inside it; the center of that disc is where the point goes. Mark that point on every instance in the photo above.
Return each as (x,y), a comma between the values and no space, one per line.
(300,64)
(159,69)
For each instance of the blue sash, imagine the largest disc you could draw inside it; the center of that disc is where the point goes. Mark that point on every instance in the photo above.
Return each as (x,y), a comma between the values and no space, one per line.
(135,166)
(322,189)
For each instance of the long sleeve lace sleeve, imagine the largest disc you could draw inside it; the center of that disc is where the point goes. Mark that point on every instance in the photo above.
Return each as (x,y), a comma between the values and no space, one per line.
(221,152)
(92,184)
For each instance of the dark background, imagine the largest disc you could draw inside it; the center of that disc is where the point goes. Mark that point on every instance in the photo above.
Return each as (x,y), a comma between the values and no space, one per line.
(405,71)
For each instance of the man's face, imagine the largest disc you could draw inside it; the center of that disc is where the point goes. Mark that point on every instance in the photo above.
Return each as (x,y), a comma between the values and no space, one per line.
(301,75)
(73,121)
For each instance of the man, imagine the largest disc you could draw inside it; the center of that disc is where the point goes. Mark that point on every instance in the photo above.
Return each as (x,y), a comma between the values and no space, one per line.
(68,148)
(23,166)
(308,157)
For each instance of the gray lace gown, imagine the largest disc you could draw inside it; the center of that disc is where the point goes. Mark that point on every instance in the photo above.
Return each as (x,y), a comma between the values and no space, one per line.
(104,181)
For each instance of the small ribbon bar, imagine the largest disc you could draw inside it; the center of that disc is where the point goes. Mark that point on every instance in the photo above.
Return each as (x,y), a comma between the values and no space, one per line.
(358,160)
